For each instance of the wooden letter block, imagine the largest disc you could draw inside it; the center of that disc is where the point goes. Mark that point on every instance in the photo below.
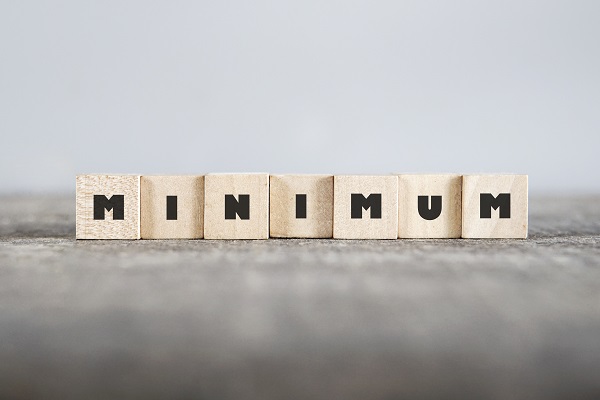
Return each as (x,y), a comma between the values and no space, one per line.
(172,207)
(495,206)
(108,207)
(236,206)
(301,206)
(365,207)
(429,206)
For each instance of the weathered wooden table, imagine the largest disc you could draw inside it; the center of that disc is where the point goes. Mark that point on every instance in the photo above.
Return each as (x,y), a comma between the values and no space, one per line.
(299,319)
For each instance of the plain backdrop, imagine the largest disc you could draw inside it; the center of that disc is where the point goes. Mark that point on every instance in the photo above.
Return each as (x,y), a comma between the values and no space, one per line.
(299,86)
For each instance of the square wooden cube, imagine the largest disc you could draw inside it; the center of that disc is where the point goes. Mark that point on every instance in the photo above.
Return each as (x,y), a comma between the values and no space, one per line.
(236,206)
(429,206)
(365,207)
(495,206)
(172,207)
(107,207)
(301,206)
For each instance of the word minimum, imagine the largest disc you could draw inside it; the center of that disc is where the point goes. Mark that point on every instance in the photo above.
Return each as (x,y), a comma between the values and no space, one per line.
(262,206)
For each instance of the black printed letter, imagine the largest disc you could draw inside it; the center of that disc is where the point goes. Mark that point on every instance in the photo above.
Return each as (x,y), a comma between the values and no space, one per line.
(171,208)
(300,206)
(234,207)
(430,213)
(487,202)
(358,202)
(116,204)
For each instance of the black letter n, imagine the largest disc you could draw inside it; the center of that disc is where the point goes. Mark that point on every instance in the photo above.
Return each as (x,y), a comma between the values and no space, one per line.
(358,202)
(116,203)
(234,207)
(487,201)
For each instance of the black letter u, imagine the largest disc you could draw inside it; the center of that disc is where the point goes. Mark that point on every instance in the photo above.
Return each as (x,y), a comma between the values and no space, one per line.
(430,213)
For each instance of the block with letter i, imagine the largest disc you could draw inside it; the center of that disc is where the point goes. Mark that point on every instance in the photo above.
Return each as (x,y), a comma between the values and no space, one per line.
(495,206)
(429,206)
(365,207)
(172,207)
(236,206)
(301,206)
(108,207)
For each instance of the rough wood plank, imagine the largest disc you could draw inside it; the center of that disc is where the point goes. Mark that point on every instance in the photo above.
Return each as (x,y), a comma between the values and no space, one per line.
(299,318)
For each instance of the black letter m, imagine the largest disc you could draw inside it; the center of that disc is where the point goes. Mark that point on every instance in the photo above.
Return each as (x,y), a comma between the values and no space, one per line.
(116,203)
(487,201)
(358,202)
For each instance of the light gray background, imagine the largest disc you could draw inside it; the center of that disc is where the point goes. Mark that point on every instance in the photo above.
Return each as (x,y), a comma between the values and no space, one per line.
(307,86)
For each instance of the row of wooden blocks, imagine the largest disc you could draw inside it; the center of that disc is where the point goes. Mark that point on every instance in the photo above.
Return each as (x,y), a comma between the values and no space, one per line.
(259,206)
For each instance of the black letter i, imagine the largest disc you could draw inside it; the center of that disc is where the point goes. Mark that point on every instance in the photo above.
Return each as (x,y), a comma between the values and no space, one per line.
(171,208)
(300,206)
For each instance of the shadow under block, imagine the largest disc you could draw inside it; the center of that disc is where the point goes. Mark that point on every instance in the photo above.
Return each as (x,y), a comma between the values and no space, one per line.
(429,206)
(236,206)
(365,207)
(495,206)
(108,207)
(172,207)
(301,206)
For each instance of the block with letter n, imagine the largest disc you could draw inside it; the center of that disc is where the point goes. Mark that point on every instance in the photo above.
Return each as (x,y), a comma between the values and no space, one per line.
(108,207)
(236,206)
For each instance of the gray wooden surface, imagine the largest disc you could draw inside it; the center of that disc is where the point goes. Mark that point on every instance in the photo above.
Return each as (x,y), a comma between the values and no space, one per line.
(299,319)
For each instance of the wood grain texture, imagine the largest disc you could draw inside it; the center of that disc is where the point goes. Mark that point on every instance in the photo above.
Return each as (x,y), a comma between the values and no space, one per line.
(318,221)
(189,207)
(495,227)
(217,186)
(346,227)
(87,186)
(411,225)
